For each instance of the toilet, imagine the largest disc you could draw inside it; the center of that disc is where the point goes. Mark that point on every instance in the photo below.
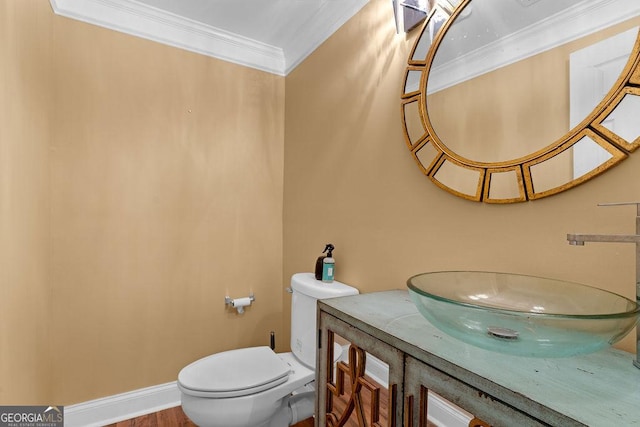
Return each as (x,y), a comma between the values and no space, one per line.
(256,387)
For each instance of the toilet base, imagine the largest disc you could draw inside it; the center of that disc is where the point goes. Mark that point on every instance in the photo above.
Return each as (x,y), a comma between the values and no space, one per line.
(233,412)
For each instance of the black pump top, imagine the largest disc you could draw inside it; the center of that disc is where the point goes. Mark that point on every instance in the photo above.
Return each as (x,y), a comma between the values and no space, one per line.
(329,248)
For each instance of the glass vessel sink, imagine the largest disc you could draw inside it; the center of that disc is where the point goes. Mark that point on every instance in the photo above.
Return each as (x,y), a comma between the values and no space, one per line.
(522,315)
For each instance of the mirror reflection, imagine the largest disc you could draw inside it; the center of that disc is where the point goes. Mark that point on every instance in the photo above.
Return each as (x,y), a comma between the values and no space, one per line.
(440,13)
(623,120)
(358,388)
(618,121)
(510,86)
(507,87)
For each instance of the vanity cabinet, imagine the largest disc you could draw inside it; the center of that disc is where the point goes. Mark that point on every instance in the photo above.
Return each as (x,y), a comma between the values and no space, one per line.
(599,389)
(421,378)
(344,391)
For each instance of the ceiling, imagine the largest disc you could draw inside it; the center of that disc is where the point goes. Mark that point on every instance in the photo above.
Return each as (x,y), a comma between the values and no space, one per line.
(494,33)
(275,35)
(270,35)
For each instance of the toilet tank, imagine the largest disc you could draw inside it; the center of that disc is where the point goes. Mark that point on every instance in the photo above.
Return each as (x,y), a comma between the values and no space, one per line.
(306,292)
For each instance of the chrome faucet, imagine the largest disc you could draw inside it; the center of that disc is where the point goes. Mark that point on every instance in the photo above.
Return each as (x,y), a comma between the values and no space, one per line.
(580,239)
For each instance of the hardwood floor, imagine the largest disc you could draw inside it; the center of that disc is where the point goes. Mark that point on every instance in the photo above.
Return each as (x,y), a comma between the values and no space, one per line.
(305,423)
(174,417)
(168,417)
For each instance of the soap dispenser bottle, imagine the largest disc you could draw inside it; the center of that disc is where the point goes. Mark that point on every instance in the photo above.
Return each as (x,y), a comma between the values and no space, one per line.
(328,264)
(320,261)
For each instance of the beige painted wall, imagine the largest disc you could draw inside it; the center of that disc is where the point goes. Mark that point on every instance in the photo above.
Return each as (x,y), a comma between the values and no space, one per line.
(141,184)
(350,180)
(25,126)
(166,193)
(530,91)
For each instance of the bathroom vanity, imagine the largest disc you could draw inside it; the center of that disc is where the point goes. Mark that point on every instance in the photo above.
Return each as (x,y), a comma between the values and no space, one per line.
(598,389)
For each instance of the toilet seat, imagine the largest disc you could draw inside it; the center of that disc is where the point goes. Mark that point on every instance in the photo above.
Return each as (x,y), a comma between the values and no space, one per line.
(234,373)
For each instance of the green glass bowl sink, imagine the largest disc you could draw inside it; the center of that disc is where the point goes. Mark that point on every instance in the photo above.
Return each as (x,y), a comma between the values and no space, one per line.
(522,315)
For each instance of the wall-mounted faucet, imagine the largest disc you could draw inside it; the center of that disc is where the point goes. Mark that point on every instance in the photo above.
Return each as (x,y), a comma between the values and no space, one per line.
(580,239)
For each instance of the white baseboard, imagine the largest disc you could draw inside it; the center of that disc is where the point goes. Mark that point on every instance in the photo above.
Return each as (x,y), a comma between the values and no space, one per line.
(120,407)
(111,409)
(443,413)
(377,370)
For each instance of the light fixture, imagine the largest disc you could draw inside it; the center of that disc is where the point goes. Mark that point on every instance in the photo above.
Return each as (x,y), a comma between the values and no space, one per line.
(420,5)
(409,13)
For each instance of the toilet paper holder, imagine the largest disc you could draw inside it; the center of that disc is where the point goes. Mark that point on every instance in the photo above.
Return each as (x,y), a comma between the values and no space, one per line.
(240,303)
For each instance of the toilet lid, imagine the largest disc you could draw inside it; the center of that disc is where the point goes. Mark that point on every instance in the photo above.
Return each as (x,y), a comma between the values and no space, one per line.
(235,372)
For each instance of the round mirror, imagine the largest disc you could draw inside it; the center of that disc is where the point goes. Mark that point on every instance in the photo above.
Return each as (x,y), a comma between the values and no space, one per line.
(517,100)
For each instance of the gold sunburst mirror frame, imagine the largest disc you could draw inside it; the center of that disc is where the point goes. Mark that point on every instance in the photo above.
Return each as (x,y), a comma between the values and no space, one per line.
(525,177)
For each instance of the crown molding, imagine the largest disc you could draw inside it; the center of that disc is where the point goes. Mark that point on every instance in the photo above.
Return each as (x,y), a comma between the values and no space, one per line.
(141,20)
(318,29)
(571,24)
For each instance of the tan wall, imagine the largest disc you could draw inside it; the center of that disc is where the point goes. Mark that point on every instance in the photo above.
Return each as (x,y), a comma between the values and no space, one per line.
(530,91)
(166,189)
(25,101)
(141,183)
(165,181)
(350,179)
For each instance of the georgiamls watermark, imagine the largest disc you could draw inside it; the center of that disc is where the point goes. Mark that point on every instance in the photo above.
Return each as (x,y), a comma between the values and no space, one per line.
(31,416)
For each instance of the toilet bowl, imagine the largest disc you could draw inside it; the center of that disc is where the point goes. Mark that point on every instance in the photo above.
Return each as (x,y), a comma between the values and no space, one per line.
(249,387)
(256,387)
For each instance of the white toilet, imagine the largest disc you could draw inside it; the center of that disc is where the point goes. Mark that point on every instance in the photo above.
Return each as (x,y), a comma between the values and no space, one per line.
(255,387)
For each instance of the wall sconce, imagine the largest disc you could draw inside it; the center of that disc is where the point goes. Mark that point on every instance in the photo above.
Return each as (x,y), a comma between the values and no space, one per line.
(409,13)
